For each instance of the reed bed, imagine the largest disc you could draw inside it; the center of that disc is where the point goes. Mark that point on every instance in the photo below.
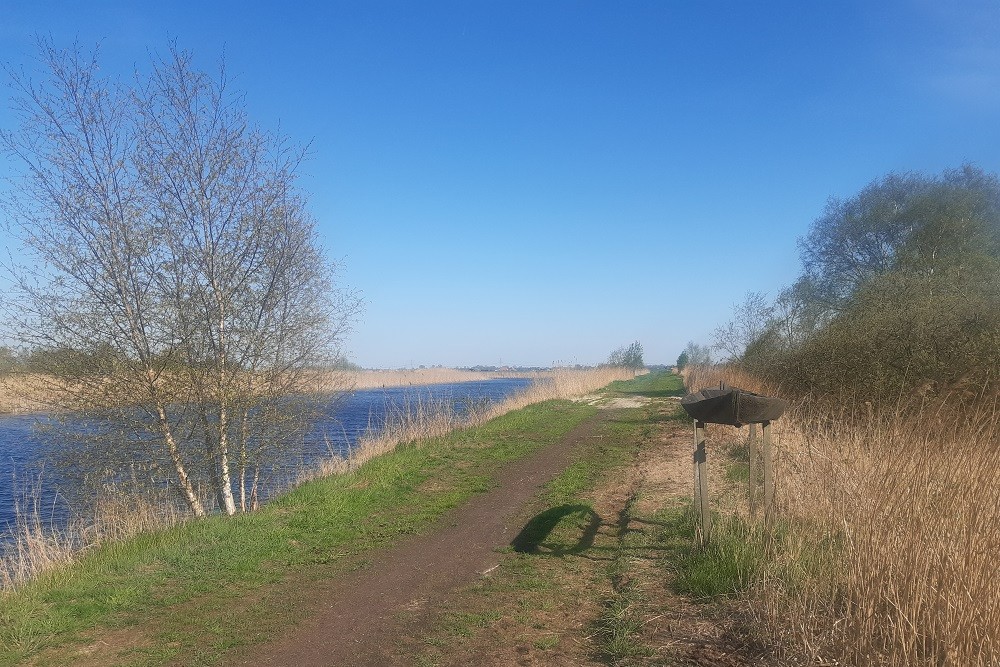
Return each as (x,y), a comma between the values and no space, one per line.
(373,379)
(889,531)
(24,394)
(35,547)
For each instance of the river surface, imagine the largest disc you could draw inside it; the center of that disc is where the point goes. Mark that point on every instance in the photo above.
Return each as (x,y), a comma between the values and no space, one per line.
(24,472)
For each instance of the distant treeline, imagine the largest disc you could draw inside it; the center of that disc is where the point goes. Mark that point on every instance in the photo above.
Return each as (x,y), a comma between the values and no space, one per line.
(899,294)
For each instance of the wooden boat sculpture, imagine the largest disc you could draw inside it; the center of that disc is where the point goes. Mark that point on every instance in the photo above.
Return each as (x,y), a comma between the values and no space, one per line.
(732,406)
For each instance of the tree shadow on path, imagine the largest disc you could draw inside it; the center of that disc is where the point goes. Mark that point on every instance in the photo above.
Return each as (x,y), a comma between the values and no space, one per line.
(532,537)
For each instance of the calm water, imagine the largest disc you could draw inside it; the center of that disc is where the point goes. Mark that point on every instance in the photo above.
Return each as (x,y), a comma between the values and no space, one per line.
(23,450)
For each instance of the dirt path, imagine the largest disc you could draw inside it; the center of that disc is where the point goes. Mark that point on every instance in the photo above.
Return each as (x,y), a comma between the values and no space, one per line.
(364,612)
(549,608)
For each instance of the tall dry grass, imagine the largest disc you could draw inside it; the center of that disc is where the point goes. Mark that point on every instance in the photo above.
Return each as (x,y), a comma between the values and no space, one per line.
(36,547)
(371,379)
(891,530)
(24,393)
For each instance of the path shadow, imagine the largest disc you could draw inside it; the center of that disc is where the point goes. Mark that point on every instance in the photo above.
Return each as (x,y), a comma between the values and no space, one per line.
(532,537)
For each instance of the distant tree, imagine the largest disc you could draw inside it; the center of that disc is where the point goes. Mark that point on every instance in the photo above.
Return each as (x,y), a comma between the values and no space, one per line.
(857,238)
(697,355)
(629,356)
(750,320)
(682,360)
(344,364)
(910,220)
(900,290)
(9,361)
(178,294)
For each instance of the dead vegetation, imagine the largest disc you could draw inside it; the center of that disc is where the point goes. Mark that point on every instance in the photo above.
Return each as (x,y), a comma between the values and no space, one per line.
(885,553)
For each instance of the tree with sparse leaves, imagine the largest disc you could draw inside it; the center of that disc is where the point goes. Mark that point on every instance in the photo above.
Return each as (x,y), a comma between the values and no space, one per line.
(175,289)
(629,356)
(697,355)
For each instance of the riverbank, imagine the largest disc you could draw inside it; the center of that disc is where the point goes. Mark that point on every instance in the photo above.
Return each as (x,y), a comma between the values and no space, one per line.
(211,568)
(40,539)
(373,379)
(589,578)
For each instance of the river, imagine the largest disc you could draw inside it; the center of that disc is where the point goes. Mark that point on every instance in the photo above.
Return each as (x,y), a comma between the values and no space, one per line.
(23,451)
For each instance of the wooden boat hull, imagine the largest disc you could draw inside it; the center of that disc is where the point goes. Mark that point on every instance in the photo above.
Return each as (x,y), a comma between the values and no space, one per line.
(732,406)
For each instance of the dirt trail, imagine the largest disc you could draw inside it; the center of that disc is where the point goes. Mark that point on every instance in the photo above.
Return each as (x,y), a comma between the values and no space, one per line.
(367,609)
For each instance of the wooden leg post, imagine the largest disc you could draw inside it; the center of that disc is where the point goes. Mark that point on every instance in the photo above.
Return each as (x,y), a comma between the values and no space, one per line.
(701,497)
(753,456)
(768,478)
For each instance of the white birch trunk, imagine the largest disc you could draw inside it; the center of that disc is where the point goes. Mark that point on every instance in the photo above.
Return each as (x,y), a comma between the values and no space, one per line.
(194,503)
(225,478)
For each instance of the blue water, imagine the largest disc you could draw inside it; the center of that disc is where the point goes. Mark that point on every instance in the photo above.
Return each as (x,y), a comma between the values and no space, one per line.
(24,471)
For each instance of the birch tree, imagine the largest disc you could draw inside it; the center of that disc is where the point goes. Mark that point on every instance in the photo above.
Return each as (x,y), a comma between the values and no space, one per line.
(171,259)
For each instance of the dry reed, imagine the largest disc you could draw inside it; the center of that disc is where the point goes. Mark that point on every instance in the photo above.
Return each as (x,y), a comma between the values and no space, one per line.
(36,547)
(891,530)
(422,376)
(24,393)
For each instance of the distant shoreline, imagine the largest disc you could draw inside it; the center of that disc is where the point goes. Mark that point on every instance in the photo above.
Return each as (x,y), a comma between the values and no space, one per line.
(375,379)
(22,394)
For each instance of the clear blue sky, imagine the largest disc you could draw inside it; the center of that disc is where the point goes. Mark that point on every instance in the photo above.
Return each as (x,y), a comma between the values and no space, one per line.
(531,182)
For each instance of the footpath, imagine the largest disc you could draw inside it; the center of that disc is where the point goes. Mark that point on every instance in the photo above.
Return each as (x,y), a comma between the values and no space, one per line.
(566,561)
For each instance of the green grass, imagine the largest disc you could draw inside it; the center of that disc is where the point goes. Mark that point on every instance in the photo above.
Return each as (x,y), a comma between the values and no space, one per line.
(658,384)
(738,463)
(725,567)
(464,624)
(208,569)
(207,587)
(618,628)
(631,550)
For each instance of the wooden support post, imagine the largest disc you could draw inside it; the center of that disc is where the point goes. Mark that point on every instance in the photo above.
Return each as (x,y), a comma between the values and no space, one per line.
(701,497)
(753,456)
(768,478)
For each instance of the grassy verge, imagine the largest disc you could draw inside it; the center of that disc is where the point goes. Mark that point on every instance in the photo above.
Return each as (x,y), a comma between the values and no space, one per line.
(207,586)
(652,385)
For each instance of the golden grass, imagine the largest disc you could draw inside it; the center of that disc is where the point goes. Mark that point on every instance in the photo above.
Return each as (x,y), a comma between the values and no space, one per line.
(24,394)
(35,547)
(421,376)
(893,528)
